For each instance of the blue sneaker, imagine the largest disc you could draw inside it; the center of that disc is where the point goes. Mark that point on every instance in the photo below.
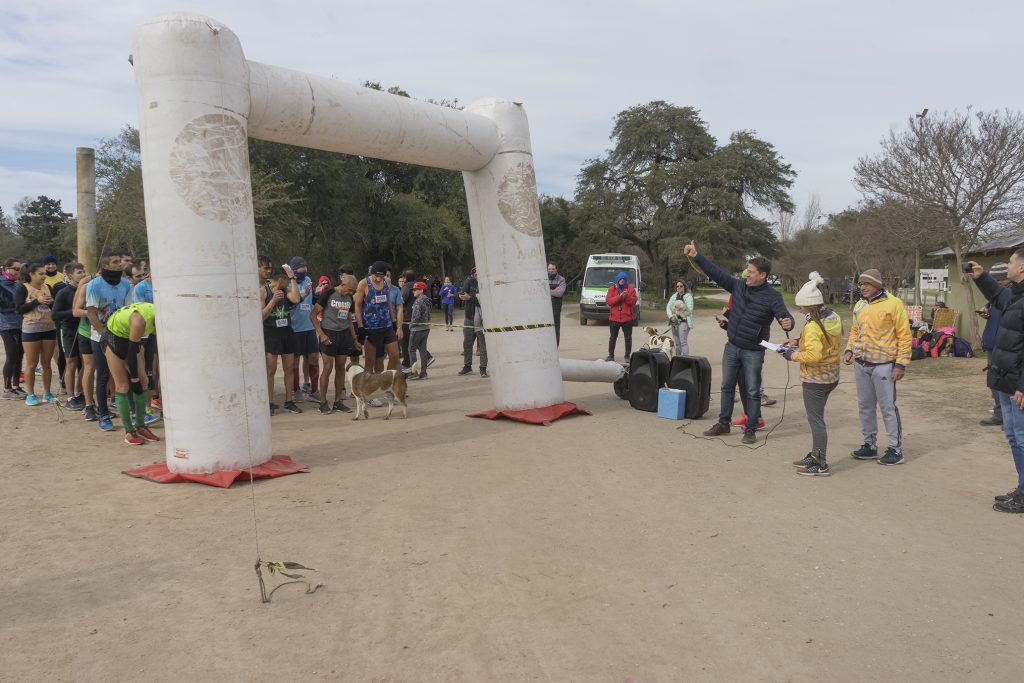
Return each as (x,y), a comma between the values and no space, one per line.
(31,400)
(105,424)
(47,397)
(150,418)
(891,457)
(866,452)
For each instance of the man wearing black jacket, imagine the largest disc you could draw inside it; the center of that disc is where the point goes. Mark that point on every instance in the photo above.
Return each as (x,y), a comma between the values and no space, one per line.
(472,329)
(754,306)
(67,331)
(1005,361)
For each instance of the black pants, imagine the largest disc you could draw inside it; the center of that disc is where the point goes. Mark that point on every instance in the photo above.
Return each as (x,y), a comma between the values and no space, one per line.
(627,336)
(13,354)
(99,361)
(556,309)
(150,355)
(403,345)
(62,362)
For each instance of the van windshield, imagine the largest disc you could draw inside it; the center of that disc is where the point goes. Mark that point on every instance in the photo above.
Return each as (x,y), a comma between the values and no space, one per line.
(604,277)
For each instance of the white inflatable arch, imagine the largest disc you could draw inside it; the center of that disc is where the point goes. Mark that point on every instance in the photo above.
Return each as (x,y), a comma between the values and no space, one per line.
(199,101)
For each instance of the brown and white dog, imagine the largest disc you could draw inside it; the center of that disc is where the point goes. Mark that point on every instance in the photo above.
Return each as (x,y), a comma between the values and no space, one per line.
(661,342)
(389,385)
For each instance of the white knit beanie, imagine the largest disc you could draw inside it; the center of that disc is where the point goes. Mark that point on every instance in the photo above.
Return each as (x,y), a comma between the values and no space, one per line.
(809,294)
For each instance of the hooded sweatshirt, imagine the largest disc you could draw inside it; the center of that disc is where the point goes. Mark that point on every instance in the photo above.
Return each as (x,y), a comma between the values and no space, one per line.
(621,300)
(9,318)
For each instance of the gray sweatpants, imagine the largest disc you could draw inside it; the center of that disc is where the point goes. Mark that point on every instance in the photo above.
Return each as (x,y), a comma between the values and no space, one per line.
(875,387)
(474,331)
(815,397)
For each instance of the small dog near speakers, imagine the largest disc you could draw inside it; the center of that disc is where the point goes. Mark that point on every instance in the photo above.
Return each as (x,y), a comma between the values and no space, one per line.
(661,342)
(390,385)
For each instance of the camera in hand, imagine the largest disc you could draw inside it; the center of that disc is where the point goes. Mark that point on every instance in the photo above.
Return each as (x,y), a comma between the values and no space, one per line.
(968,268)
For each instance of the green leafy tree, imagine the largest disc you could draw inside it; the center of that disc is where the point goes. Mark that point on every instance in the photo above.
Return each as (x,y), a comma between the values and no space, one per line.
(40,225)
(666,180)
(10,243)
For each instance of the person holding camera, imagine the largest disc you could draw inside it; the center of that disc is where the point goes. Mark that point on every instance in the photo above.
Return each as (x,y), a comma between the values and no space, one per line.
(1005,362)
(879,344)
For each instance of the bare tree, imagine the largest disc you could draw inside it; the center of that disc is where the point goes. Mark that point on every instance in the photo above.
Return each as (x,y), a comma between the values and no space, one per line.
(809,217)
(965,170)
(785,222)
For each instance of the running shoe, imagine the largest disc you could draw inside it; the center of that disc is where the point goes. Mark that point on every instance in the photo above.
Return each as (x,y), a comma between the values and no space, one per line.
(291,407)
(89,413)
(133,439)
(105,423)
(48,397)
(467,370)
(891,457)
(156,403)
(865,452)
(807,461)
(31,400)
(307,388)
(340,405)
(742,420)
(273,409)
(10,396)
(147,435)
(113,404)
(75,403)
(296,397)
(20,392)
(430,362)
(815,470)
(314,396)
(152,419)
(325,409)
(765,401)
(483,372)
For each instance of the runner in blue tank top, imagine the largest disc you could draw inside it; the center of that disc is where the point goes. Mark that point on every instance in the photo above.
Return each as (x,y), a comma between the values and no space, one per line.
(373,313)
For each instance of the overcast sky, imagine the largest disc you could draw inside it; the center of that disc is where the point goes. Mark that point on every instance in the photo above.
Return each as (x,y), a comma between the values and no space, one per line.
(821,80)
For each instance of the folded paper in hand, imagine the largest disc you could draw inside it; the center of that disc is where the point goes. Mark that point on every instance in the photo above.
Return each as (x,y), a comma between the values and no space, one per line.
(770,346)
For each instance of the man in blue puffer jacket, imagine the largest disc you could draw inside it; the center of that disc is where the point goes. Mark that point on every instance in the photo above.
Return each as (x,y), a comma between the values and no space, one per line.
(754,306)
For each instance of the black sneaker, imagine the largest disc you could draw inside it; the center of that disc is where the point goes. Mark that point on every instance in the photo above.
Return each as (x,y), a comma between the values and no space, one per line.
(891,457)
(89,413)
(431,361)
(466,370)
(325,409)
(992,421)
(273,409)
(865,452)
(609,359)
(807,461)
(1014,505)
(291,407)
(749,436)
(340,405)
(765,401)
(483,372)
(815,470)
(718,429)
(422,375)
(75,403)
(1007,496)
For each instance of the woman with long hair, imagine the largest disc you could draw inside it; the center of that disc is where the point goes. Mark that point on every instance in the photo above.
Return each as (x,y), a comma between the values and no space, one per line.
(10,329)
(38,333)
(679,310)
(817,351)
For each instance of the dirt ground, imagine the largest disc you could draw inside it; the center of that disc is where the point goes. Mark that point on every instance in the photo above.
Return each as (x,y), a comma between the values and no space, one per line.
(601,548)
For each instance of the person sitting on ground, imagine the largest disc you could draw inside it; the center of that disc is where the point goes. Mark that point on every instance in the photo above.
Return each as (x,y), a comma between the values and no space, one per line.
(419,330)
(817,352)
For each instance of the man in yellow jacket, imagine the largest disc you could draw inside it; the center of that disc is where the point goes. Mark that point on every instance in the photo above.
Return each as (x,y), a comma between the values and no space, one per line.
(880,346)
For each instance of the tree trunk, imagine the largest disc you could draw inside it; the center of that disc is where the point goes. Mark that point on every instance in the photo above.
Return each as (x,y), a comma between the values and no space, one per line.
(917,276)
(443,271)
(967,282)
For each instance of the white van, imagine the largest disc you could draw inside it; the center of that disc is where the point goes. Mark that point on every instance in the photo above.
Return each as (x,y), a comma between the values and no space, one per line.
(599,276)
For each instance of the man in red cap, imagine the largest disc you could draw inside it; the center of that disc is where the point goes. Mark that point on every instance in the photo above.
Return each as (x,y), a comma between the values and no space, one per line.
(419,329)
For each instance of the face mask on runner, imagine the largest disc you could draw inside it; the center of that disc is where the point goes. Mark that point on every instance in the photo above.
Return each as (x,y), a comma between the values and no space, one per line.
(112,277)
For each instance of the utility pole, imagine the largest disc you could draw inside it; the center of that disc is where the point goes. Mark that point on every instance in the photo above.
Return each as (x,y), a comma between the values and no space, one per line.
(85,164)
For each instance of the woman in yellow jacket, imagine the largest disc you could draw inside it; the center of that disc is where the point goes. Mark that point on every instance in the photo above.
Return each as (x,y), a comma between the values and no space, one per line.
(817,351)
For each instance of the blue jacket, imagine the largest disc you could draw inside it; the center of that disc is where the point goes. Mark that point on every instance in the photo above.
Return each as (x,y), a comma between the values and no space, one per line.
(753,308)
(995,319)
(9,318)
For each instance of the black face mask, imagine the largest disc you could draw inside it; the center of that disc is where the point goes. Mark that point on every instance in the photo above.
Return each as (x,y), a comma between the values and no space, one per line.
(551,276)
(112,277)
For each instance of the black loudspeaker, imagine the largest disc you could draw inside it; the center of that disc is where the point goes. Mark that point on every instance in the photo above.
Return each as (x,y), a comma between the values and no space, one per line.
(621,387)
(648,372)
(692,374)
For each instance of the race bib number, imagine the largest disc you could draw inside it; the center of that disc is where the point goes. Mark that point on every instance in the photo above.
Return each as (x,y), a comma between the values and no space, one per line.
(282,322)
(380,299)
(305,307)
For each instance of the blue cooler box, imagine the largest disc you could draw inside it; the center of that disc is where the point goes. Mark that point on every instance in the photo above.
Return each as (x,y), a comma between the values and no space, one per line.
(672,404)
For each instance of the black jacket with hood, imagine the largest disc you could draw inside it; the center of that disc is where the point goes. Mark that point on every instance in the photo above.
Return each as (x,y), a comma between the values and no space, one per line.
(1006,359)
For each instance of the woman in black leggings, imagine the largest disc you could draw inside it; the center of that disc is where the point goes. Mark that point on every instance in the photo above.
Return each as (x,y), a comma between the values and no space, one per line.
(10,329)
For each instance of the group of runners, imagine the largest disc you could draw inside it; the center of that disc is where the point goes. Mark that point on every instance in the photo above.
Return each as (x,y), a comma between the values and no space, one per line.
(100,326)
